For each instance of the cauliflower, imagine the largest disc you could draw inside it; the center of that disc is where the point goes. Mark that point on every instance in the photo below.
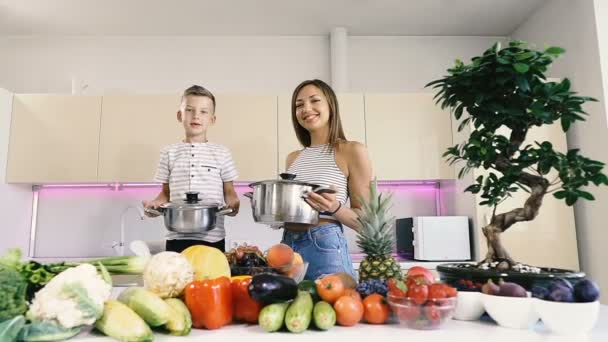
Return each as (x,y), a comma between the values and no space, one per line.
(167,274)
(72,298)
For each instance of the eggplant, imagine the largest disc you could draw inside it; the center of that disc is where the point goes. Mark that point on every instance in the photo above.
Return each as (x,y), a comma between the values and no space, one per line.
(268,288)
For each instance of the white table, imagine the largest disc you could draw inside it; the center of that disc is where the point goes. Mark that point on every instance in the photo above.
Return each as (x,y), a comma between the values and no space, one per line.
(452,331)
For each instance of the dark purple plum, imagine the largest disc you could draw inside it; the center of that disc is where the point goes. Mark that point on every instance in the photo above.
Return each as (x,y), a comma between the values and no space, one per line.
(508,289)
(490,288)
(561,294)
(560,282)
(539,291)
(586,291)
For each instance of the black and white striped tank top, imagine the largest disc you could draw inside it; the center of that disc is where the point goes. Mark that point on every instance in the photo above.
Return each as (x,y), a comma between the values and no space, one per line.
(317,165)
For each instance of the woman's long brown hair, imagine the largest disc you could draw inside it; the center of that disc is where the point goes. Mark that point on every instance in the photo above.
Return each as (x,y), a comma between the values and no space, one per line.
(336,133)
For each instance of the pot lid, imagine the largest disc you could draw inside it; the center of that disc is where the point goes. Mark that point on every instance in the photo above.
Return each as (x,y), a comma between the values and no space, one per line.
(192,201)
(286,178)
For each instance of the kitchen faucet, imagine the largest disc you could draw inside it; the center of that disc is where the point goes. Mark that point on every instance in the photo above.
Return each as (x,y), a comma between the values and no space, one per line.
(121,243)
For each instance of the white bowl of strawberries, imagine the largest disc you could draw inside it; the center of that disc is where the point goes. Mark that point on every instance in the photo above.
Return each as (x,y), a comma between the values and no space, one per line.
(420,303)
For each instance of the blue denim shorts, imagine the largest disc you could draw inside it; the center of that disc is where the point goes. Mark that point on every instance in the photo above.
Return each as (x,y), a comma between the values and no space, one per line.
(323,247)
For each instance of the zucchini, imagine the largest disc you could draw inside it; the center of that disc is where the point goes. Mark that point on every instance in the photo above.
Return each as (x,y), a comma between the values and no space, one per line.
(146,304)
(120,322)
(324,315)
(310,287)
(180,322)
(269,288)
(272,316)
(298,315)
(9,329)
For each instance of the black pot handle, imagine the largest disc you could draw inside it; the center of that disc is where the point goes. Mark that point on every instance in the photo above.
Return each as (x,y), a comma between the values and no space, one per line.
(288,176)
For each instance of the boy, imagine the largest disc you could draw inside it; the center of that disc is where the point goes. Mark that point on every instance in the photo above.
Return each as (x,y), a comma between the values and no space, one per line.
(197,165)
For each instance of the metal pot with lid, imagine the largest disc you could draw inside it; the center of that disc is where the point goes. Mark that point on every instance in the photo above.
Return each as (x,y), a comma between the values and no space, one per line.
(189,215)
(278,201)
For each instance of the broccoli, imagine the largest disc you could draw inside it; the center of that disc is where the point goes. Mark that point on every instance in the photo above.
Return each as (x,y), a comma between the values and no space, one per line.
(13,287)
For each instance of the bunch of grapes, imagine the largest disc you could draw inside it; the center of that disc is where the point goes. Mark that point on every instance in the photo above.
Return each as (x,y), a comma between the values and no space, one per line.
(372,286)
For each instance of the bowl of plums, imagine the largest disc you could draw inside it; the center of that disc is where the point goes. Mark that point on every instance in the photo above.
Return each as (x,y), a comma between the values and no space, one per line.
(279,259)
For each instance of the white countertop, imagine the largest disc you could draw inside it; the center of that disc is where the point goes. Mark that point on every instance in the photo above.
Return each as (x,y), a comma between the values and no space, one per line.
(452,331)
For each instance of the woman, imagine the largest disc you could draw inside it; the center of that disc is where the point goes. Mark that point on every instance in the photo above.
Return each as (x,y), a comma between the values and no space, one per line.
(327,159)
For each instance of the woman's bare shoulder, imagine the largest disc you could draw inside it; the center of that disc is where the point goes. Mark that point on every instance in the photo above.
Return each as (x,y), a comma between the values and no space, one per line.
(352,149)
(291,157)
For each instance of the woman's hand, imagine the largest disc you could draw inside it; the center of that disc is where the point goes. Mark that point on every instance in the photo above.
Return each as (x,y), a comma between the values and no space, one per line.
(323,202)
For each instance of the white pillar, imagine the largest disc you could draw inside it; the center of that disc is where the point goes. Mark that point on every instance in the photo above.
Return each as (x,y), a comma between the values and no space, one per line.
(338,50)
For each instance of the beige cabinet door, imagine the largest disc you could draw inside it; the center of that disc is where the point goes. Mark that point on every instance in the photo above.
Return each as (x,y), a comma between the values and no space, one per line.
(53,138)
(351,113)
(550,239)
(134,128)
(407,135)
(247,125)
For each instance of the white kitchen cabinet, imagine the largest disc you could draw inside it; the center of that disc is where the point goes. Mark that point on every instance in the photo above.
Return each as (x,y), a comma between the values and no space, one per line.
(407,135)
(53,138)
(247,125)
(352,115)
(550,239)
(134,128)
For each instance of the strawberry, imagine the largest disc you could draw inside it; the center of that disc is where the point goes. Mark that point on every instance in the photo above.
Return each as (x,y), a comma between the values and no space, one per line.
(397,288)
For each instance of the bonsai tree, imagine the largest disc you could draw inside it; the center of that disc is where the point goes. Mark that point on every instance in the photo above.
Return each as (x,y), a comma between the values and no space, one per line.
(507,88)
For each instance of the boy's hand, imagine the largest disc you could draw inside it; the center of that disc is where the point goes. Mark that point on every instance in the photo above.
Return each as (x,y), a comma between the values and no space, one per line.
(233,202)
(154,204)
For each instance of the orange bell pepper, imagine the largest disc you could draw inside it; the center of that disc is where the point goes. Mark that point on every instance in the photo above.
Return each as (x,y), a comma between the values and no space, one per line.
(209,302)
(245,308)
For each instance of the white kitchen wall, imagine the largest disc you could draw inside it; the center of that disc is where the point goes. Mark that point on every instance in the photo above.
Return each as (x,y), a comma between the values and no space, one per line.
(223,64)
(15,200)
(84,222)
(572,25)
(601,20)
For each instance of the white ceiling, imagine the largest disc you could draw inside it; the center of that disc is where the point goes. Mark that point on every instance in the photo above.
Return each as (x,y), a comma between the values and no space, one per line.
(264,17)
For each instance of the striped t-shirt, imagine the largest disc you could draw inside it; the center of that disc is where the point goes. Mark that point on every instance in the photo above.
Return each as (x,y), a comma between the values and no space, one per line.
(317,165)
(202,167)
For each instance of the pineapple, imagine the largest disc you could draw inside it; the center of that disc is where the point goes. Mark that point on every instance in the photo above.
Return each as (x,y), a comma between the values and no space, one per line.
(376,238)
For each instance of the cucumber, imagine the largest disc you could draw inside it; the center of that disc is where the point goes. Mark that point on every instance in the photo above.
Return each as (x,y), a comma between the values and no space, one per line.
(299,313)
(271,316)
(146,304)
(324,315)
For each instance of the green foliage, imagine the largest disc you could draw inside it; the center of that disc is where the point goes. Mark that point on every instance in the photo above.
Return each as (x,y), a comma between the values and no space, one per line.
(507,88)
(13,288)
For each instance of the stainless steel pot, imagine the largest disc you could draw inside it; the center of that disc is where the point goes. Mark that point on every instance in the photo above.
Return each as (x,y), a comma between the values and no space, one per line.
(189,215)
(275,202)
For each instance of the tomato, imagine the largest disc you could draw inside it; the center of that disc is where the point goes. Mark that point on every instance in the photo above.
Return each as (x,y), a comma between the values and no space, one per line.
(421,271)
(209,302)
(437,291)
(349,311)
(418,293)
(352,293)
(330,288)
(450,291)
(397,287)
(375,309)
(431,312)
(407,313)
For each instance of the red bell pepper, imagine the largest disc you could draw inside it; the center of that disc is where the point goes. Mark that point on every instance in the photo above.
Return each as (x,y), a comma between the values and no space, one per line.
(209,302)
(245,308)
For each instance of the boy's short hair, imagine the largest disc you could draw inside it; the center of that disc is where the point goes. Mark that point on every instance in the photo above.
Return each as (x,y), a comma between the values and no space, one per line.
(197,90)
